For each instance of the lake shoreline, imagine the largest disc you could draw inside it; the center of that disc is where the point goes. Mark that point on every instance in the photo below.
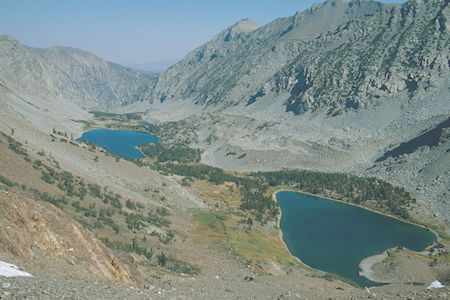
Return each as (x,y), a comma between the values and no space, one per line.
(115,140)
(367,263)
(280,233)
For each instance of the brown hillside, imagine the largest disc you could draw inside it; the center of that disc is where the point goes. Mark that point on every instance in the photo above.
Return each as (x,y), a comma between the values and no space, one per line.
(32,229)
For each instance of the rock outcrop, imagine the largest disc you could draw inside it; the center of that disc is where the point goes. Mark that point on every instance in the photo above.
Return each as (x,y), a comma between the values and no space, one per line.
(31,229)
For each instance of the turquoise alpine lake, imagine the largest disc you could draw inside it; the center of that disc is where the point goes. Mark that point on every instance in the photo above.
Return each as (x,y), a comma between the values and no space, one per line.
(335,237)
(121,142)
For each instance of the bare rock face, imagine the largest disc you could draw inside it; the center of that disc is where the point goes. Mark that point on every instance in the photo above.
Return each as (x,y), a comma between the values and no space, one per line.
(31,229)
(369,58)
(68,74)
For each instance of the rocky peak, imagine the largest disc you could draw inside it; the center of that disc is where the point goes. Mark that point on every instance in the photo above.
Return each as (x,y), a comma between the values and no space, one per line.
(244,26)
(239,31)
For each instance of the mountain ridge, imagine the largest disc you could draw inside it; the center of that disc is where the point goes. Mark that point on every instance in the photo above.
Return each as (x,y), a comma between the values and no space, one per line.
(320,64)
(253,58)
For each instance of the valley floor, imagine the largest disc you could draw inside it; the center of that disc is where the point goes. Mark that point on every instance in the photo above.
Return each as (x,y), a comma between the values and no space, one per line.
(223,275)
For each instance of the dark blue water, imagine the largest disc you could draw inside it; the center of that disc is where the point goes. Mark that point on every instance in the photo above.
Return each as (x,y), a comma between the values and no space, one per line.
(145,123)
(335,237)
(122,142)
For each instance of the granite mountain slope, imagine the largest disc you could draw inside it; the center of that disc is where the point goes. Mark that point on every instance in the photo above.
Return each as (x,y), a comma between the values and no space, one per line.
(368,59)
(239,62)
(339,55)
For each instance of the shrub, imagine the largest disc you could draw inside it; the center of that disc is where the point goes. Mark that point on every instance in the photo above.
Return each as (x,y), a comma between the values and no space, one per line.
(95,190)
(6,181)
(130,204)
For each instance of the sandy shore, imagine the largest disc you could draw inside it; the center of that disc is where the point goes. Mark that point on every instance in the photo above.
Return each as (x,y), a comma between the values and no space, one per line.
(367,263)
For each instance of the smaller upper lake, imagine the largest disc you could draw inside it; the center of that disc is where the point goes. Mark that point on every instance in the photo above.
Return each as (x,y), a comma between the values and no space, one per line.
(121,142)
(335,237)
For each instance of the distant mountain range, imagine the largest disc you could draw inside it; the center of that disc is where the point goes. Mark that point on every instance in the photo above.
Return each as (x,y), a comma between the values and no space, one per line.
(68,74)
(157,66)
(338,55)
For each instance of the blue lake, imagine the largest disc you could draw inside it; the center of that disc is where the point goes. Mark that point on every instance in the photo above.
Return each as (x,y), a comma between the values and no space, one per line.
(335,237)
(122,142)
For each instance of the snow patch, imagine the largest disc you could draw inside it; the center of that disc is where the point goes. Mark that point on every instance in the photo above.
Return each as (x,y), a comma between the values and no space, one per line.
(9,270)
(435,285)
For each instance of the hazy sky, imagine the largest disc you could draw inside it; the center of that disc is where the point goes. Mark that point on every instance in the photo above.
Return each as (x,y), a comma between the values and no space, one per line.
(134,31)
